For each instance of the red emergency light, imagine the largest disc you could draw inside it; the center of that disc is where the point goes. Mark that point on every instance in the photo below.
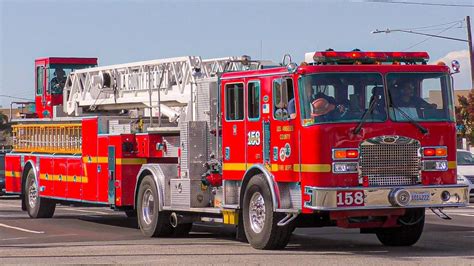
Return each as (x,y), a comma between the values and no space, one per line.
(369,57)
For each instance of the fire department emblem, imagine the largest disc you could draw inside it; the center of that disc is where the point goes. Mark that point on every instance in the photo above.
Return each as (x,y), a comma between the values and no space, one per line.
(282,154)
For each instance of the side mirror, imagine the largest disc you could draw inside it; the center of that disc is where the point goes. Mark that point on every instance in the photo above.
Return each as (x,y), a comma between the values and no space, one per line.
(455,66)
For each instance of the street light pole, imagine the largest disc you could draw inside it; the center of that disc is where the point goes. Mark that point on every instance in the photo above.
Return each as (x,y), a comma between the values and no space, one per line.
(469,42)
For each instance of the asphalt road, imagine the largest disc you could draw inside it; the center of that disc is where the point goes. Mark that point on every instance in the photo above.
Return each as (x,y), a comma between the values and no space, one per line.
(100,235)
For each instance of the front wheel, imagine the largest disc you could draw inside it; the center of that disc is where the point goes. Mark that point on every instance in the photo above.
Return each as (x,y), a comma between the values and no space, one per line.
(36,206)
(260,222)
(409,232)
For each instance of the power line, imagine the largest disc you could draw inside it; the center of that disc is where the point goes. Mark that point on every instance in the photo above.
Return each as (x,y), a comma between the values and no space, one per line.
(418,3)
(426,39)
(434,26)
(14,97)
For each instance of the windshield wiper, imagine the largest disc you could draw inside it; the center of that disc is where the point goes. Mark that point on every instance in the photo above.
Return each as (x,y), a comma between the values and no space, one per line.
(366,114)
(410,119)
(422,129)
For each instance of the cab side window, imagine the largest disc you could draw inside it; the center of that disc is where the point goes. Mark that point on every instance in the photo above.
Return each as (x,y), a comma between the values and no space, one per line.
(253,100)
(283,99)
(234,101)
(39,80)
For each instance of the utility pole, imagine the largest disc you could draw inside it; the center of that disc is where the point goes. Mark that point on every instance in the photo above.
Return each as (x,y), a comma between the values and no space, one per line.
(471,52)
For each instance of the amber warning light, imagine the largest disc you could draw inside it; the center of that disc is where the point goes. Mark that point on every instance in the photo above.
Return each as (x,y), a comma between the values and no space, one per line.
(435,151)
(342,154)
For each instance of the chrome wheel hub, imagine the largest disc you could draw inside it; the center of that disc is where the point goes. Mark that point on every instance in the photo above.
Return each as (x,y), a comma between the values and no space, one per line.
(32,193)
(148,206)
(257,212)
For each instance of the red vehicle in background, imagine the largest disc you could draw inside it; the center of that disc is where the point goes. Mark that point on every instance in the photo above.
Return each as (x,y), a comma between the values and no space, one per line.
(348,139)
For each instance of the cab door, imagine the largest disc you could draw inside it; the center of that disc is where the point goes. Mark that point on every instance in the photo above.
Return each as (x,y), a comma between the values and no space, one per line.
(253,123)
(233,130)
(40,86)
(283,135)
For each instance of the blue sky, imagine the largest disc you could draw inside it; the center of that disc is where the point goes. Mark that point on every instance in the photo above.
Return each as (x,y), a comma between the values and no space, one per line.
(127,31)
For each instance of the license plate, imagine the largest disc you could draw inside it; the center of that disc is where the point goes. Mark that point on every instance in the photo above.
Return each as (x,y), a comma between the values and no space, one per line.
(421,196)
(350,198)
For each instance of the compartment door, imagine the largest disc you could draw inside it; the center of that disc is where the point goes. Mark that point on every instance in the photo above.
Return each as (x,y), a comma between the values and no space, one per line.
(111,174)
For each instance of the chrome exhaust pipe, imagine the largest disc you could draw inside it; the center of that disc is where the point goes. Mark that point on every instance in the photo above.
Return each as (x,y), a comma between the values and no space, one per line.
(177,219)
(174,219)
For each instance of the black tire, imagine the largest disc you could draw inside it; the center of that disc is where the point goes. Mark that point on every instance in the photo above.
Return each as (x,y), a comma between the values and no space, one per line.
(131,213)
(409,232)
(270,235)
(36,206)
(156,223)
(182,230)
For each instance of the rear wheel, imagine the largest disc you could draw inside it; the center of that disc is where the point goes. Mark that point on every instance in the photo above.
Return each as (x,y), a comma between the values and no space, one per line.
(408,233)
(36,206)
(260,222)
(152,222)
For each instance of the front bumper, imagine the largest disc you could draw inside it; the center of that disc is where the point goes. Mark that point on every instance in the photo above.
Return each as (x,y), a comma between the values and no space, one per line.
(360,198)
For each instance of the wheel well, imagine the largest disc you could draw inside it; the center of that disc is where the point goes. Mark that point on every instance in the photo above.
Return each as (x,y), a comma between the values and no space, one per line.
(137,187)
(24,175)
(250,173)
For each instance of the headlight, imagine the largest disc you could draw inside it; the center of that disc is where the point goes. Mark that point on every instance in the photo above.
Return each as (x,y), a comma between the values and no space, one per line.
(344,167)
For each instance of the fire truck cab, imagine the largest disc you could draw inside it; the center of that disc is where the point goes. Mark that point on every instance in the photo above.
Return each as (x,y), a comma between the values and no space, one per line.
(349,139)
(50,77)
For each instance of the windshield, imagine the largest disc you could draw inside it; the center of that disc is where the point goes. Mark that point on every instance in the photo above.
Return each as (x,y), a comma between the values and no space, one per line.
(341,97)
(465,158)
(57,75)
(420,96)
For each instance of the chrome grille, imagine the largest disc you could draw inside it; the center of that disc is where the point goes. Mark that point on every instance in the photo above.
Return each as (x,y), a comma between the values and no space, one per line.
(390,163)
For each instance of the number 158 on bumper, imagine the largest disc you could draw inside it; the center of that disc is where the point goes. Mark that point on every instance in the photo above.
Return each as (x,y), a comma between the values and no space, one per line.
(350,198)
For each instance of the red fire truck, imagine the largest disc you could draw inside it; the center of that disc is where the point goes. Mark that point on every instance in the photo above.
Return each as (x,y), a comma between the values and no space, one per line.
(349,139)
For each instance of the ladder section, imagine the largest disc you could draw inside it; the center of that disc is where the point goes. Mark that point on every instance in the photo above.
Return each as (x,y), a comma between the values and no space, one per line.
(163,86)
(48,138)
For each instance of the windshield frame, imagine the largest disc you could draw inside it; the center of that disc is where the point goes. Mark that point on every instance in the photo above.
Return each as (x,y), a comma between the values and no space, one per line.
(450,101)
(301,89)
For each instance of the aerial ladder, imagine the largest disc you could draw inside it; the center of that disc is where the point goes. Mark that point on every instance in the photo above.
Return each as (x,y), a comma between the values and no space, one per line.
(145,91)
(159,87)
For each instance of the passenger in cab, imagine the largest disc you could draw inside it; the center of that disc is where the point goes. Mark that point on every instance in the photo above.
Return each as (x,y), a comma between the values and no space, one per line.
(323,108)
(407,96)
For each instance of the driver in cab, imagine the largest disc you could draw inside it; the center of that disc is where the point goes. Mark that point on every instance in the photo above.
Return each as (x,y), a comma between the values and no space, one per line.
(59,80)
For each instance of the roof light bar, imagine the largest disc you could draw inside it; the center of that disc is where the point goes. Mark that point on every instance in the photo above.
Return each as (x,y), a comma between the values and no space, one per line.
(369,57)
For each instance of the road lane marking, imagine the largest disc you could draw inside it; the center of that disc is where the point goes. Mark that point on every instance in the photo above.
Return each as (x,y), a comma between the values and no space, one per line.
(21,229)
(464,214)
(16,238)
